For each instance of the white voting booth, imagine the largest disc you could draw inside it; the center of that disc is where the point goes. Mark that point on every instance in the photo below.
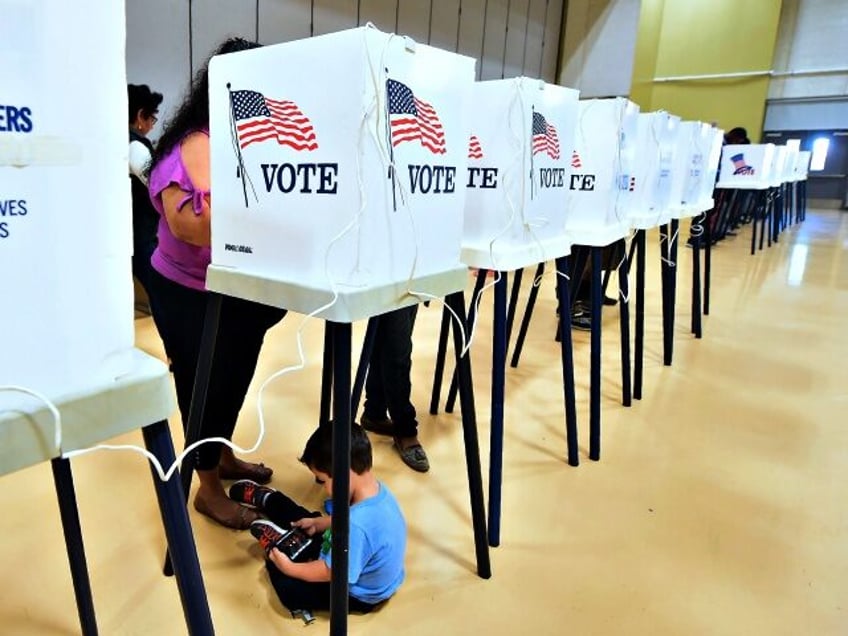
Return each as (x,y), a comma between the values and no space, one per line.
(65,211)
(519,170)
(649,205)
(303,139)
(778,165)
(603,164)
(698,153)
(802,165)
(746,166)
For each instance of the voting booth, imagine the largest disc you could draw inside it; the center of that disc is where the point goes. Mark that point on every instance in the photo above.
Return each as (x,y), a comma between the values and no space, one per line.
(699,148)
(746,166)
(802,165)
(519,170)
(653,169)
(65,210)
(603,179)
(338,171)
(778,166)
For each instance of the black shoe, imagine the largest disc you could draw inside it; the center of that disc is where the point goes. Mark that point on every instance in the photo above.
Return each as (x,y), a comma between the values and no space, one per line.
(610,302)
(249,493)
(383,426)
(581,317)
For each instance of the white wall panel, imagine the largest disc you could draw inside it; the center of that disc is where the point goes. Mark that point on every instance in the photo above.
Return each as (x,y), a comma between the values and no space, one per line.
(157,50)
(213,21)
(284,20)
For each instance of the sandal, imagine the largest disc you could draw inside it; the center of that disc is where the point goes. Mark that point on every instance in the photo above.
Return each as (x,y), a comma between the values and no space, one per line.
(259,473)
(239,519)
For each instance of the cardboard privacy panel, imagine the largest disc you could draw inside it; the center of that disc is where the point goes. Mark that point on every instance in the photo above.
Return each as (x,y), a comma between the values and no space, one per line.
(339,164)
(696,142)
(603,179)
(65,211)
(802,165)
(746,166)
(519,170)
(778,165)
(649,206)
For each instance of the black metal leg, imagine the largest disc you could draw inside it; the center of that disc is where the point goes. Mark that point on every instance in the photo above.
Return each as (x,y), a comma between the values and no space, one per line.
(576,266)
(708,254)
(763,208)
(513,303)
(672,294)
(696,288)
(198,396)
(496,431)
(595,367)
(754,232)
(528,313)
(624,316)
(567,357)
(665,255)
(326,377)
(439,372)
(362,368)
(639,336)
(182,550)
(69,513)
(341,338)
(472,316)
(472,445)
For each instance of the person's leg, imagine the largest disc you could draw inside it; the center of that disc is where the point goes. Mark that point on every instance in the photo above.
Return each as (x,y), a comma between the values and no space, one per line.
(374,410)
(296,594)
(396,368)
(282,510)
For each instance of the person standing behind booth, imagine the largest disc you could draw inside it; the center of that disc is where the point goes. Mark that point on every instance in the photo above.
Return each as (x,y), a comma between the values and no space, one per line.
(388,387)
(179,189)
(143,111)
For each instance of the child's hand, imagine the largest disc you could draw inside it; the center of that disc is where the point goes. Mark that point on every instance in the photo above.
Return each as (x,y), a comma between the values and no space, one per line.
(280,559)
(310,525)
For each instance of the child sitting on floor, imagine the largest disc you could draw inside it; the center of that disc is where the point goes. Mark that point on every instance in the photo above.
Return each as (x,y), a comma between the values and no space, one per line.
(377,540)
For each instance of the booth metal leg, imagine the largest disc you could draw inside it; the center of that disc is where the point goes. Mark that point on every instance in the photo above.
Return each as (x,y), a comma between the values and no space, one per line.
(181,546)
(595,366)
(513,303)
(472,445)
(499,339)
(362,367)
(624,316)
(341,339)
(639,336)
(567,358)
(326,378)
(441,354)
(198,398)
(69,513)
(672,291)
(696,291)
(528,313)
(472,317)
(708,256)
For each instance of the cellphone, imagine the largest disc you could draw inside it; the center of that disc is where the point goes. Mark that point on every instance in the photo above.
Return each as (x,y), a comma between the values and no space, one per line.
(293,543)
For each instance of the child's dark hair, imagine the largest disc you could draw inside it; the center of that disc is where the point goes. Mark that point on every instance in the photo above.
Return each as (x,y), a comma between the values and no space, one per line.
(318,452)
(141,98)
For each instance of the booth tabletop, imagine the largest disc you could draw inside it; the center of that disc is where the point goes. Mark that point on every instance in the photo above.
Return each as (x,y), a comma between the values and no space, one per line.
(354,303)
(139,398)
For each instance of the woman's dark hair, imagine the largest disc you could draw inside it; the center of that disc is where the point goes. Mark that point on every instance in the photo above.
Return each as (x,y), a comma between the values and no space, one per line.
(141,98)
(318,452)
(193,113)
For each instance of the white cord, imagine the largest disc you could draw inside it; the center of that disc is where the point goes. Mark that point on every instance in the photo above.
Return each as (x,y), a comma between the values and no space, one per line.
(57,417)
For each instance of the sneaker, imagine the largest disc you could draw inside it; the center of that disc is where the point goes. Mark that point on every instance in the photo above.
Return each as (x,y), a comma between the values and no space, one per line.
(413,456)
(267,534)
(581,317)
(381,426)
(249,493)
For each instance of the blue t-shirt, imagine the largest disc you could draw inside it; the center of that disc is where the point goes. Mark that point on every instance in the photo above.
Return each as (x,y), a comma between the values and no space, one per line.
(377,547)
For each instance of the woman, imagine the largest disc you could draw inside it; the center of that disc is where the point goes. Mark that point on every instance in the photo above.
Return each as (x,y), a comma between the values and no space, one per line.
(143,111)
(179,189)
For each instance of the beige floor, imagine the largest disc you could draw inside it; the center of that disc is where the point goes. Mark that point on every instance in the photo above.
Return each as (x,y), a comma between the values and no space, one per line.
(718,506)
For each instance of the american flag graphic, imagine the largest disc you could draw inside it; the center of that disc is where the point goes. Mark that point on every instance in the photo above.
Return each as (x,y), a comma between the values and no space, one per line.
(258,118)
(411,118)
(545,137)
(575,160)
(475,150)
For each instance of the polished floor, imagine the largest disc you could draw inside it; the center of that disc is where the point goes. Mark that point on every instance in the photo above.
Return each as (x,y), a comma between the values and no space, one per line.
(718,505)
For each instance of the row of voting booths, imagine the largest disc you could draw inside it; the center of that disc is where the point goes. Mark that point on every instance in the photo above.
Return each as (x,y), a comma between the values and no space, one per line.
(353,174)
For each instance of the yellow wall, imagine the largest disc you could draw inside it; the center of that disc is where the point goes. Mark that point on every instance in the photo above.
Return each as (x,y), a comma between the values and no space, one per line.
(701,37)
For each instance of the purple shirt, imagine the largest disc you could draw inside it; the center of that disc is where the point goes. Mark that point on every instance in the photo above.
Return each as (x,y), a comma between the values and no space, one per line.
(177,260)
